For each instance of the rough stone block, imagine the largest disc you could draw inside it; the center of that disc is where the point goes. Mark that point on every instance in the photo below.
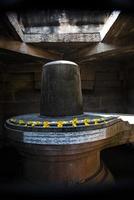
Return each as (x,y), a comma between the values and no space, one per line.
(87,74)
(87,85)
(107,84)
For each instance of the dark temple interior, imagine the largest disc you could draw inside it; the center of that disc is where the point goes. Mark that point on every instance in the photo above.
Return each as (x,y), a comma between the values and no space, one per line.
(100,42)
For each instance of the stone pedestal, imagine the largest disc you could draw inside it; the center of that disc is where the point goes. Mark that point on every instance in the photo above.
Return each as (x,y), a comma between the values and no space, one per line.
(61,145)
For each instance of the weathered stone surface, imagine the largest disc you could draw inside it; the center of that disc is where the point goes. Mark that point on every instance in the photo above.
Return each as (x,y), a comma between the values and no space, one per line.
(66,37)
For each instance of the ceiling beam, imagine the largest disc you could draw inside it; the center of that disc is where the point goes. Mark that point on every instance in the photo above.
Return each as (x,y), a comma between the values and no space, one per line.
(21,47)
(62,37)
(122,32)
(91,50)
(16,27)
(67,28)
(119,51)
(109,23)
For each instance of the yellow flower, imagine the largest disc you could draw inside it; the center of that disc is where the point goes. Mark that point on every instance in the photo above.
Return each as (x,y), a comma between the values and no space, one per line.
(46,124)
(74,122)
(104,120)
(86,122)
(96,121)
(60,124)
(21,122)
(33,124)
(37,123)
(30,123)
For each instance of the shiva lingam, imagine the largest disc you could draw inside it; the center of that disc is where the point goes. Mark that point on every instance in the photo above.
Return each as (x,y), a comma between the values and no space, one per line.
(62,144)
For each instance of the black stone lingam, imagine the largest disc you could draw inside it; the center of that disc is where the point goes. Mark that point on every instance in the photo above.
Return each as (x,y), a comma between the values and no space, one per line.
(61,90)
(61,144)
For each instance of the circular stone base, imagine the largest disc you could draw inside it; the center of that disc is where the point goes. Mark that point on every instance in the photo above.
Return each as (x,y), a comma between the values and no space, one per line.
(35,122)
(61,150)
(35,129)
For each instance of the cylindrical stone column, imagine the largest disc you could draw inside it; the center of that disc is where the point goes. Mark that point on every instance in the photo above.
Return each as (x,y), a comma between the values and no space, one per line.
(61,93)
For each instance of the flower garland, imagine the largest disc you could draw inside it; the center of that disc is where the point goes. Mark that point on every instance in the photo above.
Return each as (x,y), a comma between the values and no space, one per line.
(86,122)
(75,122)
(46,124)
(60,124)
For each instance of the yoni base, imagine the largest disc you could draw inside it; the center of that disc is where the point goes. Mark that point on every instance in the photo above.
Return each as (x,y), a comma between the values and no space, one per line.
(102,176)
(63,166)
